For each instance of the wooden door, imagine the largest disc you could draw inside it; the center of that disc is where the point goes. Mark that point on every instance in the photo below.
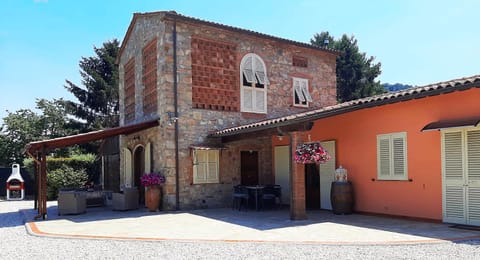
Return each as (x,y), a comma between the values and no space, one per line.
(249,167)
(312,186)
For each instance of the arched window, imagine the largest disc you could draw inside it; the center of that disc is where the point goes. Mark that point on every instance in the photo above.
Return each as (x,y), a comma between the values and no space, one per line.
(253,84)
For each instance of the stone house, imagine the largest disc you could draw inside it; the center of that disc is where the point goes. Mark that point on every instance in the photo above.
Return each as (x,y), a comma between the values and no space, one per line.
(197,77)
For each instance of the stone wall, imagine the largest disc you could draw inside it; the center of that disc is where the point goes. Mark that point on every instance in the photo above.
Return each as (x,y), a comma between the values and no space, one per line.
(196,121)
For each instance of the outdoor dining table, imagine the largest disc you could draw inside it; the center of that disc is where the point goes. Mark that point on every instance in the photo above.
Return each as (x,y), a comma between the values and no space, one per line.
(256,189)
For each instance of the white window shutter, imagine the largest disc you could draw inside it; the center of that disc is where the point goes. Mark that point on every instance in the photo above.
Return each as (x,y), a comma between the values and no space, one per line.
(260,71)
(305,91)
(148,158)
(399,156)
(248,63)
(383,151)
(247,99)
(260,75)
(206,168)
(199,171)
(473,155)
(260,101)
(253,98)
(127,163)
(454,203)
(248,75)
(453,156)
(212,175)
(298,90)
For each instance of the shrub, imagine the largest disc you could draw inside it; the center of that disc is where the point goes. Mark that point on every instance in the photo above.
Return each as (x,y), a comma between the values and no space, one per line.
(64,177)
(85,162)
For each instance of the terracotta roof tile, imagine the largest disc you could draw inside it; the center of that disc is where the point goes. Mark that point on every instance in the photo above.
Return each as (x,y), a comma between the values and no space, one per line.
(378,100)
(179,17)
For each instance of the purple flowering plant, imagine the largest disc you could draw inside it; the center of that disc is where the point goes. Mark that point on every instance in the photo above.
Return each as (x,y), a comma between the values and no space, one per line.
(311,153)
(151,179)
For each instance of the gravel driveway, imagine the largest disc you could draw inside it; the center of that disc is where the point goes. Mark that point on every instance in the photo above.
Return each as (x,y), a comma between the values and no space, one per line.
(17,244)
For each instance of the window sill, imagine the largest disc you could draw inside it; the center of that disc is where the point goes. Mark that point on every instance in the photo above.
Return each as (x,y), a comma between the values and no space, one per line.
(300,106)
(405,180)
(203,183)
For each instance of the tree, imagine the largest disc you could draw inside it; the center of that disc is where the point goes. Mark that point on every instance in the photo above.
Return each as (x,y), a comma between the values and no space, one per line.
(18,129)
(97,105)
(24,126)
(356,72)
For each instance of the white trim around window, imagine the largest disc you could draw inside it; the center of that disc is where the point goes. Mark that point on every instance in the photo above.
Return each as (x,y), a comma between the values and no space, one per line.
(253,84)
(301,94)
(205,166)
(392,156)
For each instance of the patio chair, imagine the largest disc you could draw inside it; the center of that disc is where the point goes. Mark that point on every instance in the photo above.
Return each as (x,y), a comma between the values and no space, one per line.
(71,202)
(240,194)
(271,196)
(126,200)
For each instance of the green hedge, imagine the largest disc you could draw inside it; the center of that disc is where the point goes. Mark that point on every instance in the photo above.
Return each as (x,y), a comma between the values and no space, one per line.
(84,162)
(64,177)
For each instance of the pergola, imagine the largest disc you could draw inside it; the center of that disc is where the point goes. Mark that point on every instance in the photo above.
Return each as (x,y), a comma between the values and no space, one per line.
(38,151)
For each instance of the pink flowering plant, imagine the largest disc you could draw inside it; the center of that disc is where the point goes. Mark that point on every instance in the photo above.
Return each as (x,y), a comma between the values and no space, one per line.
(151,179)
(311,153)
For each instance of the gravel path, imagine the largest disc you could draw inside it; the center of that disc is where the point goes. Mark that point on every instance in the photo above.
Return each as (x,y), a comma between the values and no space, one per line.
(15,243)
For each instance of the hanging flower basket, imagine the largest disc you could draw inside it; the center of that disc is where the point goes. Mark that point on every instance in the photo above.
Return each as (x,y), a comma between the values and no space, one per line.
(311,153)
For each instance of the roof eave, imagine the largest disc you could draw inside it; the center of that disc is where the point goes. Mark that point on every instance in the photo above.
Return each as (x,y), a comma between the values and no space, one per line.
(322,113)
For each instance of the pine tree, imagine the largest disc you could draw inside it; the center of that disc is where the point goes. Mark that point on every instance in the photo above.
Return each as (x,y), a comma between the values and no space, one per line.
(356,72)
(97,105)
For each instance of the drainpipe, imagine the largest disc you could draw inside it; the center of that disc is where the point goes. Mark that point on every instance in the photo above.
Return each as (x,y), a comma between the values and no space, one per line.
(175,105)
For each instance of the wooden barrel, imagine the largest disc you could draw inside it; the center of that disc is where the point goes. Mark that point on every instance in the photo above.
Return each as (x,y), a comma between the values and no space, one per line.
(341,196)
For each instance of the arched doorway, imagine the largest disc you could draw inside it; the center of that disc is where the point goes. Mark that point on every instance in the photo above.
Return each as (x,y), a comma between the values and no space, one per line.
(139,170)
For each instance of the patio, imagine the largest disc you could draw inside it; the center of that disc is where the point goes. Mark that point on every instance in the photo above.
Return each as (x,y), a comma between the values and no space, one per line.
(227,225)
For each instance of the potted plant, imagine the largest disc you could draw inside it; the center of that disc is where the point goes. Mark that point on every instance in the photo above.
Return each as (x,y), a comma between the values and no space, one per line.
(311,153)
(152,182)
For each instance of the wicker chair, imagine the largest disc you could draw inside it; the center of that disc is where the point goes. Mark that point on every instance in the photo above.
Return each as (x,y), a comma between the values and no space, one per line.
(71,202)
(126,200)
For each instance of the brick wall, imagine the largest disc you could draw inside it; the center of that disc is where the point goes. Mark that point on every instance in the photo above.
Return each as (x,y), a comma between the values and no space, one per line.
(129,91)
(149,69)
(214,75)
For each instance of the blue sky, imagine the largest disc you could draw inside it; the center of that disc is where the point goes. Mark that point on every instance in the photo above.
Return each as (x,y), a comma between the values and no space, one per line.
(418,42)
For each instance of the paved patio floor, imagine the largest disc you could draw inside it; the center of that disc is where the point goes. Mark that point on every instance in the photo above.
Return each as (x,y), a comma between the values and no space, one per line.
(229,225)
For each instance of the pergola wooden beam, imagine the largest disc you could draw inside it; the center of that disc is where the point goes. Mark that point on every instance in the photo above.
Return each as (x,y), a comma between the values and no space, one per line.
(38,151)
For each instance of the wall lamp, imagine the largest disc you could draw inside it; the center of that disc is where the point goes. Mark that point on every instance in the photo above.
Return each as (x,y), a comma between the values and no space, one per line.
(172,118)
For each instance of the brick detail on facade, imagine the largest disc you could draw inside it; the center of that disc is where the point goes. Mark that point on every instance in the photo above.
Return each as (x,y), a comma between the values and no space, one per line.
(129,90)
(297,208)
(299,61)
(214,76)
(149,77)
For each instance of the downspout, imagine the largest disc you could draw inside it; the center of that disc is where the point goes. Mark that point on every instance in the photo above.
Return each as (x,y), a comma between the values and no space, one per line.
(175,105)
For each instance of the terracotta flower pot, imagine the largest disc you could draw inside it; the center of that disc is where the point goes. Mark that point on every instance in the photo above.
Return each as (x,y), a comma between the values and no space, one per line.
(152,197)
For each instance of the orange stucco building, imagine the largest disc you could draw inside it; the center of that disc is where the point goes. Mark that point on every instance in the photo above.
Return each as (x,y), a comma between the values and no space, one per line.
(356,150)
(413,153)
